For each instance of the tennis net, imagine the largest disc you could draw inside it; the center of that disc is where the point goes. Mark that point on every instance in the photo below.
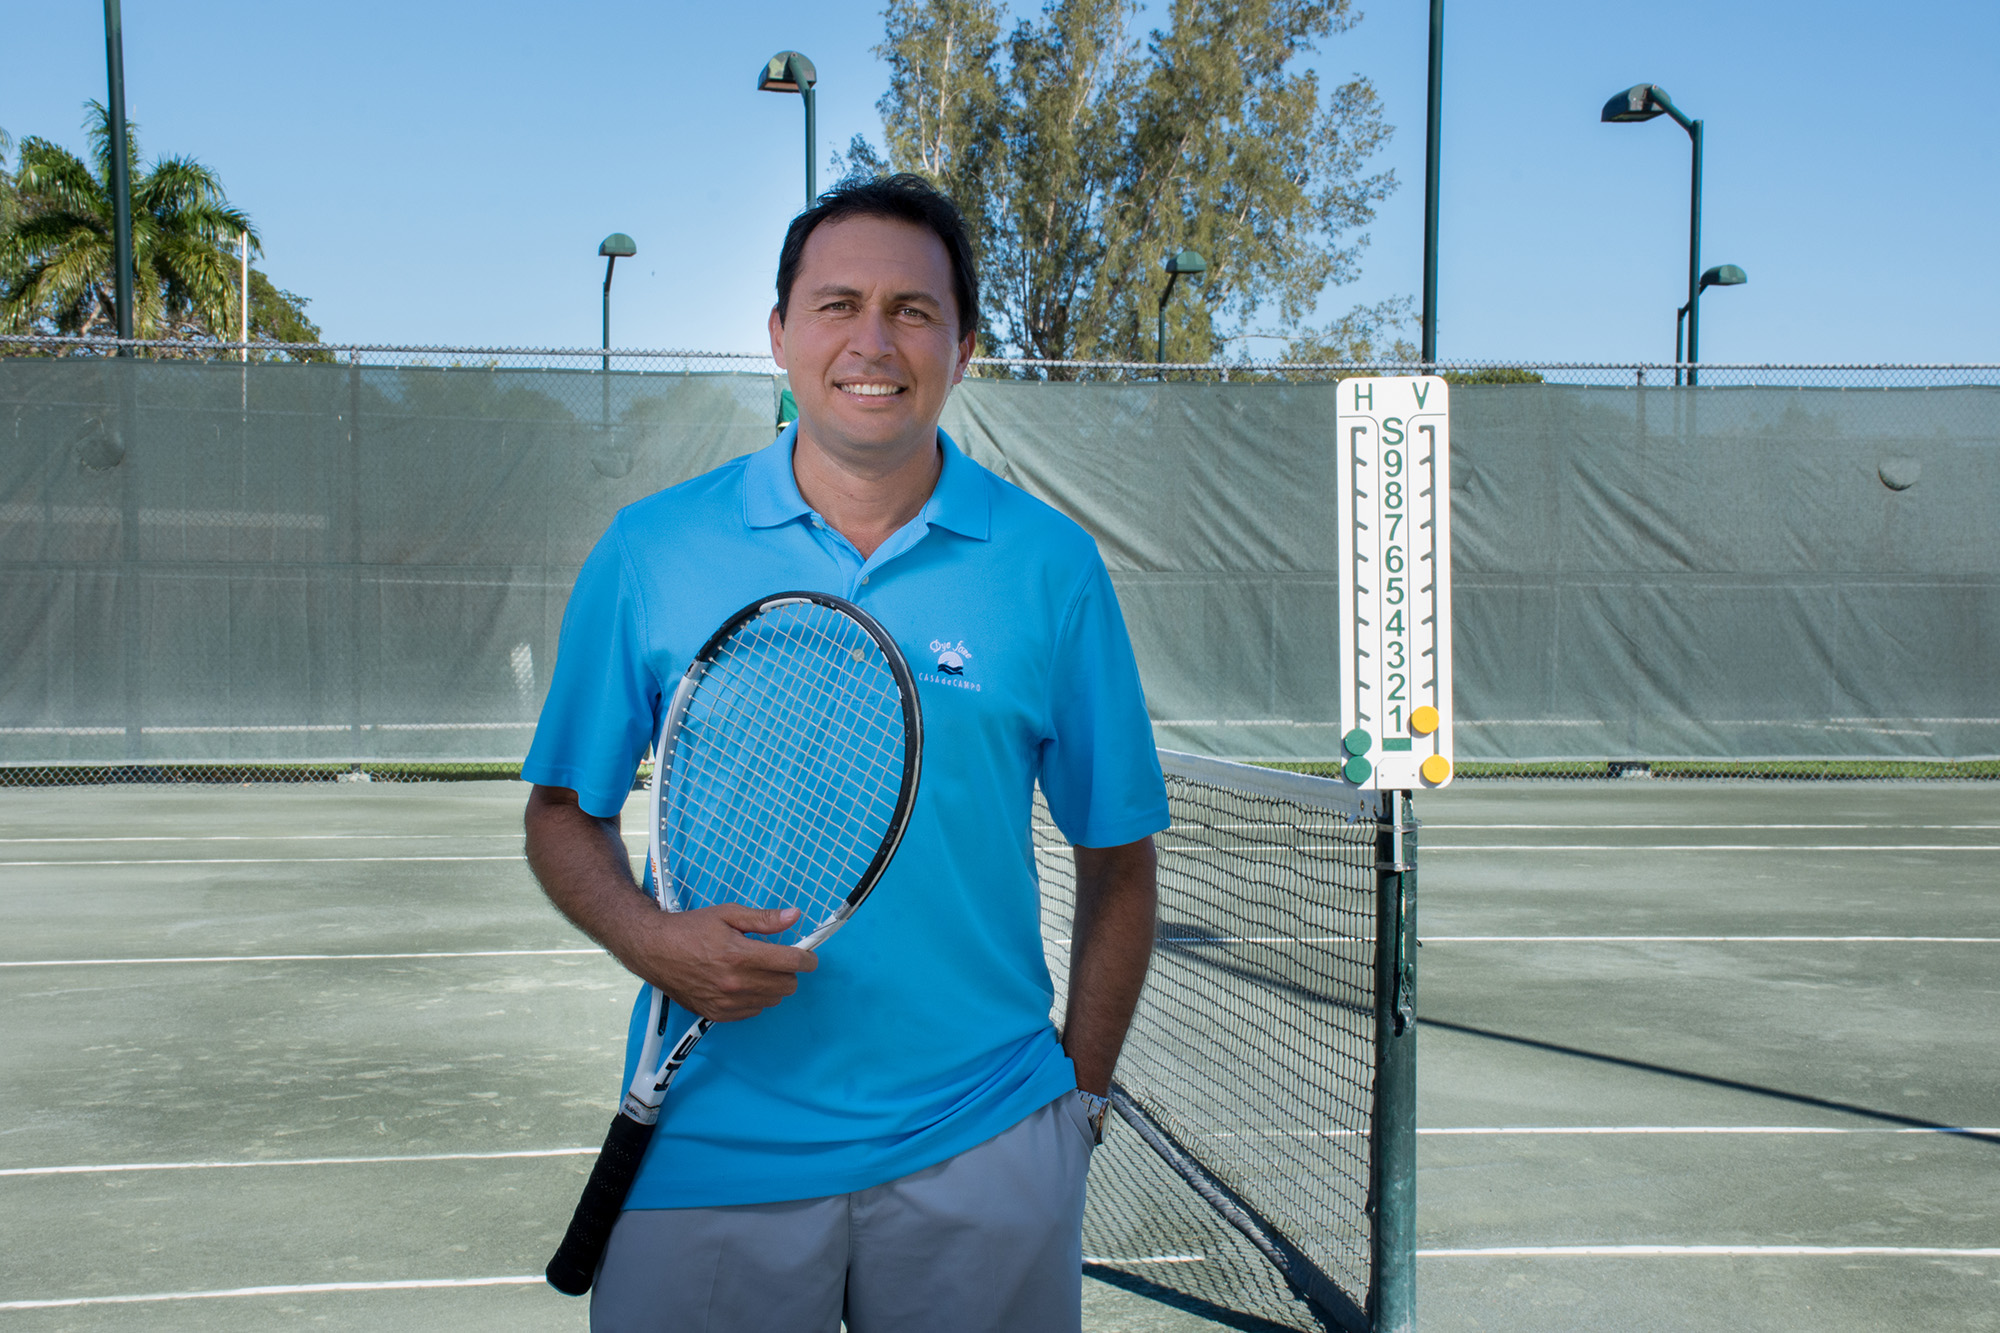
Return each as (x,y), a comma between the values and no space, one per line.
(1243,1177)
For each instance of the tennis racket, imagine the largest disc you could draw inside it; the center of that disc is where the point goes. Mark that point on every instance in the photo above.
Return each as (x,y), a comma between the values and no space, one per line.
(785,777)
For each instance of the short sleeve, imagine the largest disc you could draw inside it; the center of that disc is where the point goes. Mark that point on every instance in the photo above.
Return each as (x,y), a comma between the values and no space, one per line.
(1099,768)
(599,717)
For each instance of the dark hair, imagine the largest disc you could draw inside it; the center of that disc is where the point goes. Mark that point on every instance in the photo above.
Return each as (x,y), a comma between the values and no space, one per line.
(905,198)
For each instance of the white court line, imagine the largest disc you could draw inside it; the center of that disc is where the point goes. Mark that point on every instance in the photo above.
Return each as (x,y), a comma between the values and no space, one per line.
(1709,1251)
(301,1289)
(259,860)
(1477,1131)
(1427,938)
(118,1167)
(1271,852)
(1429,848)
(1195,851)
(1711,939)
(1147,1259)
(294,957)
(271,837)
(1587,827)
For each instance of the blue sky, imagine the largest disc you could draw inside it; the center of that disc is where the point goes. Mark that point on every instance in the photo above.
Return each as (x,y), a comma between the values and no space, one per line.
(441,172)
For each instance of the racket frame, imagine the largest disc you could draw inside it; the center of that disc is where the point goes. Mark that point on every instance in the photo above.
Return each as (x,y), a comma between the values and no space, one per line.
(573,1269)
(651,1080)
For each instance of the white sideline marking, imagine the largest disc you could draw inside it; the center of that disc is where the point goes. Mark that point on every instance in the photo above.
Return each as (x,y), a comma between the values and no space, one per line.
(286,837)
(1470,1130)
(1711,939)
(1708,1251)
(294,957)
(300,1289)
(261,860)
(1429,825)
(117,1167)
(269,837)
(1430,848)
(1147,1259)
(1167,851)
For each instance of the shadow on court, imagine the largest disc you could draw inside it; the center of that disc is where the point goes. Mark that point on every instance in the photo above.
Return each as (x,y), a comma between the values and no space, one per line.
(1777,1094)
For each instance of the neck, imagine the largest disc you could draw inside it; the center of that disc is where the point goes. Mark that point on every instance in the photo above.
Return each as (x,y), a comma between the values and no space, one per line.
(866,499)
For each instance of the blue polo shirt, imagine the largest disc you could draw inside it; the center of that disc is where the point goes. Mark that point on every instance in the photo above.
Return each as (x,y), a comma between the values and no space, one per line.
(926,1029)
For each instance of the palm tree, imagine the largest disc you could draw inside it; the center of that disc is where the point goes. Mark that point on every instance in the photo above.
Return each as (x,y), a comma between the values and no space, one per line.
(8,208)
(56,263)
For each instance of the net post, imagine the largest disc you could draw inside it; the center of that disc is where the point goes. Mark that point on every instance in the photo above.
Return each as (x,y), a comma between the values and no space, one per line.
(1392,1286)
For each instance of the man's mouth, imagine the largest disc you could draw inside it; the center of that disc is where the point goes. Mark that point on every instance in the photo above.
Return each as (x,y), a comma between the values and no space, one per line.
(867,390)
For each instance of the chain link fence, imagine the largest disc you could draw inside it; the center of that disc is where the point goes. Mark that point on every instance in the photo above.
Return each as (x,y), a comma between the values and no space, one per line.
(654,361)
(349,562)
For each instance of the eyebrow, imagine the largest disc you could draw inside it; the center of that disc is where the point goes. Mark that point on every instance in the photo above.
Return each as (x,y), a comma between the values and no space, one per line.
(834,291)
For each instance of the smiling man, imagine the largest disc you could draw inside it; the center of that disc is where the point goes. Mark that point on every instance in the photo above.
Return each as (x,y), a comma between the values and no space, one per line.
(900,1138)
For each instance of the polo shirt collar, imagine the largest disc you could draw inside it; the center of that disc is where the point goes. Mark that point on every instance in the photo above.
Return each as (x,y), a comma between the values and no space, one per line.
(961,501)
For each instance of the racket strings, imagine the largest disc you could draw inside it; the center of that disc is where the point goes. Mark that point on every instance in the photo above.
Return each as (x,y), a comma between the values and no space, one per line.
(828,835)
(787,767)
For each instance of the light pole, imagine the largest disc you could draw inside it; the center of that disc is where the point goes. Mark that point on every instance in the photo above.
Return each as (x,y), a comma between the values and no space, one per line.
(614,247)
(1187,261)
(1431,129)
(790,72)
(1644,101)
(1722,275)
(121,172)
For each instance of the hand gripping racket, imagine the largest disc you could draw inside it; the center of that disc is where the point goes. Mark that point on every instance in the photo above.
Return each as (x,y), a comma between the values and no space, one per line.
(785,776)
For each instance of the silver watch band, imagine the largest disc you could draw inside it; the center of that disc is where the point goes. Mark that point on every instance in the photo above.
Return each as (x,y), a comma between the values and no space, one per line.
(1096,1106)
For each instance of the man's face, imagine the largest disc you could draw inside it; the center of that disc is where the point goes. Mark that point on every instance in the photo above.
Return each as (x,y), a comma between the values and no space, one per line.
(871,338)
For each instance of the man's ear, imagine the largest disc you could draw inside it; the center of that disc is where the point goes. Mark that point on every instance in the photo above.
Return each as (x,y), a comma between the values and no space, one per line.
(965,347)
(777,338)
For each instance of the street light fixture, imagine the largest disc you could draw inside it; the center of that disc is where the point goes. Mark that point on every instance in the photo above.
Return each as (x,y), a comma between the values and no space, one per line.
(1722,275)
(614,247)
(609,460)
(1187,261)
(1643,101)
(790,72)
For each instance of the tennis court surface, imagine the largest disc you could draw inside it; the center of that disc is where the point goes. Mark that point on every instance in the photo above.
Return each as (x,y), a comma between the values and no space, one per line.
(1692,1056)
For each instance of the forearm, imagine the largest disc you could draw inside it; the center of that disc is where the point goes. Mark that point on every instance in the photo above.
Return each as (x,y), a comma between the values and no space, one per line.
(703,959)
(581,862)
(1111,945)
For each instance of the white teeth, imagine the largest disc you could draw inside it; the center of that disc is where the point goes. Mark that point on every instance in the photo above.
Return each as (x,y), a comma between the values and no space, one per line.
(872,390)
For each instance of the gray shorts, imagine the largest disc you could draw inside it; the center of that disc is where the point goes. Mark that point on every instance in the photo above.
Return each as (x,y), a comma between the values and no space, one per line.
(988,1240)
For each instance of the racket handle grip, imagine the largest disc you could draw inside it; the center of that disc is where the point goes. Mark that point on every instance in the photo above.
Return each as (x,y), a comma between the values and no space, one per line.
(574,1266)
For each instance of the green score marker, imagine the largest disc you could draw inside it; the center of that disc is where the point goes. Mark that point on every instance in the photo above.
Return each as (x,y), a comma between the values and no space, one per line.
(1356,742)
(1356,770)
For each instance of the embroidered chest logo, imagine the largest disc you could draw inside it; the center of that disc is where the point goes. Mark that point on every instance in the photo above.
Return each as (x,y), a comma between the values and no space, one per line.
(952,660)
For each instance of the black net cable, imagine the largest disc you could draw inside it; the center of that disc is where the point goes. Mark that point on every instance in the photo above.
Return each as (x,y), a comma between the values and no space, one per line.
(1239,1178)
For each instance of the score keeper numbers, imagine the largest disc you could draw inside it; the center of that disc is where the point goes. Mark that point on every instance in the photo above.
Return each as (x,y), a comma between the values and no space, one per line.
(1393,462)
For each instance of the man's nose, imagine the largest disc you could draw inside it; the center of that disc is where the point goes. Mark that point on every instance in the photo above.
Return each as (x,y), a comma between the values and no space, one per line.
(872,336)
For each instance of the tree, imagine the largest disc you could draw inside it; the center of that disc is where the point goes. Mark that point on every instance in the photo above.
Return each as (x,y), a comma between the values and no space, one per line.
(279,316)
(57,260)
(7,204)
(1082,157)
(9,208)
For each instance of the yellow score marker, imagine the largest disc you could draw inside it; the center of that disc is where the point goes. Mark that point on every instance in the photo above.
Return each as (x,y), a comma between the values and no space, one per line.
(1435,769)
(1424,721)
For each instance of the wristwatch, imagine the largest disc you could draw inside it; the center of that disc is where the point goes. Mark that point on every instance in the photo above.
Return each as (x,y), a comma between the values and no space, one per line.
(1095,1107)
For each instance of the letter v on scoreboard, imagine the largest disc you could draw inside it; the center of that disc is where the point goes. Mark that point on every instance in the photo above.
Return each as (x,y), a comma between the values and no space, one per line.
(1394,514)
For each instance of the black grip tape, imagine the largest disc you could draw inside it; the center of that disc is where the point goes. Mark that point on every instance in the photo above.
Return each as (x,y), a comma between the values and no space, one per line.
(574,1267)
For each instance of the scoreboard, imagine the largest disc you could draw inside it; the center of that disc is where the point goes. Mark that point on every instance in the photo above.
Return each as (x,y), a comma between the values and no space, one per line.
(1393,465)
